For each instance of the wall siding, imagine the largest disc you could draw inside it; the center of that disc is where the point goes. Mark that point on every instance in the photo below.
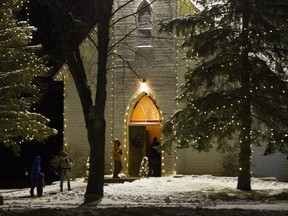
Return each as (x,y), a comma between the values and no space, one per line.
(163,68)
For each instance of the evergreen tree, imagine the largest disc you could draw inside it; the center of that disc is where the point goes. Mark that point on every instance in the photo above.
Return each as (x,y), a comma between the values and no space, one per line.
(237,93)
(19,66)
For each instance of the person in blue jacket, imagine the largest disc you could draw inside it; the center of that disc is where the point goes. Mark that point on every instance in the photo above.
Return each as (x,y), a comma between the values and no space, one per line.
(36,177)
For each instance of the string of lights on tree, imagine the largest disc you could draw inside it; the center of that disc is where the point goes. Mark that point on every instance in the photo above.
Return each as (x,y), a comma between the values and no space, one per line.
(213,100)
(19,67)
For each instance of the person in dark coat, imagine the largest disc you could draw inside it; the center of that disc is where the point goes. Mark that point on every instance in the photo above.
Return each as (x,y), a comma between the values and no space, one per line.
(36,177)
(154,157)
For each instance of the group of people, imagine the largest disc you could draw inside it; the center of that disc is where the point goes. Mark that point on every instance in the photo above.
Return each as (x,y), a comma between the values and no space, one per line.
(37,178)
(64,167)
(153,161)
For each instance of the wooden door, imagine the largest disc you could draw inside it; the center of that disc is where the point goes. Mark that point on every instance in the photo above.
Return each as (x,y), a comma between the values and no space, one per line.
(137,148)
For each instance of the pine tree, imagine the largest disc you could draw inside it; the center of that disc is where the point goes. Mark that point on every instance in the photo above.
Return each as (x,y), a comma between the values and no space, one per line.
(237,94)
(19,66)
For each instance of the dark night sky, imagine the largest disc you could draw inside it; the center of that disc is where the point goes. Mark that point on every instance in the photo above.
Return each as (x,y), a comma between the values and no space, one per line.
(13,169)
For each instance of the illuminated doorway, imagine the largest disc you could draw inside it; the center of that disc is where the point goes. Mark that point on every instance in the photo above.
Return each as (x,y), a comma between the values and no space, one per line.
(144,124)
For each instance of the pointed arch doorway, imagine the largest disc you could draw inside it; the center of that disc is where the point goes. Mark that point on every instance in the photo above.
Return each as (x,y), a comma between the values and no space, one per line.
(144,124)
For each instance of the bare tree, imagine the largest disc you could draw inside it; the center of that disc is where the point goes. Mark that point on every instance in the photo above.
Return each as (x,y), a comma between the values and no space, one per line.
(72,28)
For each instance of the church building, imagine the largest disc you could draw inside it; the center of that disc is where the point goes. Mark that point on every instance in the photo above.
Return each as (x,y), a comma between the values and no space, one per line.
(145,71)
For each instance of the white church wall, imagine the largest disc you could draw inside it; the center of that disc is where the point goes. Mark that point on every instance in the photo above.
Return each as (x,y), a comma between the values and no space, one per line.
(274,165)
(192,162)
(75,134)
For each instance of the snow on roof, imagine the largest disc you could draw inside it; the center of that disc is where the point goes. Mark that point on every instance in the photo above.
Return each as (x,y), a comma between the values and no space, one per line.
(209,4)
(197,5)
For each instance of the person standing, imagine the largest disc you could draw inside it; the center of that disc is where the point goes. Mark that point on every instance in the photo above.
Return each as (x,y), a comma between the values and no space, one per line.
(36,177)
(116,156)
(154,158)
(65,164)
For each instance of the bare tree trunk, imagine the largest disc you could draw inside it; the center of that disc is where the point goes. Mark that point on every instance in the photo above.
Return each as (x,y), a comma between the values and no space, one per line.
(244,178)
(70,35)
(96,128)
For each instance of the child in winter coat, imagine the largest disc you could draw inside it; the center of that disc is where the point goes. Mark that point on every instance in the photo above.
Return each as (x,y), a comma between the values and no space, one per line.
(36,177)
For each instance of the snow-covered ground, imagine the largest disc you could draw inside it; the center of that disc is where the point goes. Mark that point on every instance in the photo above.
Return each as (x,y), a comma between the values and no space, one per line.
(203,191)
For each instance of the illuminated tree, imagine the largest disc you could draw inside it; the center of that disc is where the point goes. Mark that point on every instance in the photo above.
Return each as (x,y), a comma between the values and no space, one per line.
(237,93)
(19,66)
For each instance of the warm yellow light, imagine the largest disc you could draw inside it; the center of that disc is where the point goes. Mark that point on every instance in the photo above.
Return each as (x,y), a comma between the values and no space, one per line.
(144,87)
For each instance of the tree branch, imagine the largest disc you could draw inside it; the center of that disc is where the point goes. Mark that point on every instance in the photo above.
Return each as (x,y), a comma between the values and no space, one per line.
(122,6)
(93,42)
(129,65)
(132,14)
(121,39)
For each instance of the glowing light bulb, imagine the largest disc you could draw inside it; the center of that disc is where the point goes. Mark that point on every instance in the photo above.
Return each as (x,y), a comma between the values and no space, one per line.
(144,86)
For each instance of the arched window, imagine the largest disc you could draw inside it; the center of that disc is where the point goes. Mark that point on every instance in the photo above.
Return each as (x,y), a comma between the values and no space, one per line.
(144,24)
(145,110)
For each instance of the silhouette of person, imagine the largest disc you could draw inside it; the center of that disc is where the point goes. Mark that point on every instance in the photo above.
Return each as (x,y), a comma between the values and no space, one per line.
(36,177)
(116,156)
(154,157)
(65,164)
